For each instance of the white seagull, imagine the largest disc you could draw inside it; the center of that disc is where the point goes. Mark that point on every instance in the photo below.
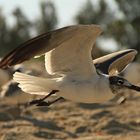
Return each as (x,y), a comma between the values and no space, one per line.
(71,72)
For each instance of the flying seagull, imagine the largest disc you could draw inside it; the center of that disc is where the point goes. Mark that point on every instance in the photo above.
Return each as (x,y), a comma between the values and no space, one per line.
(71,72)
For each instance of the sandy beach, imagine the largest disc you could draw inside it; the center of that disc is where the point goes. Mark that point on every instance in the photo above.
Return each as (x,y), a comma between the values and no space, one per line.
(66,120)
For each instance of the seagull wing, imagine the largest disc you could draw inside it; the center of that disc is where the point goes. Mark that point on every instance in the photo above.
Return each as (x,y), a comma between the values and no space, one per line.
(66,49)
(37,46)
(115,63)
(73,56)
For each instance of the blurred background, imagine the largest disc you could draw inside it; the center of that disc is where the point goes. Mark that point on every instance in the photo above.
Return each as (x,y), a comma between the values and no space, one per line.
(21,20)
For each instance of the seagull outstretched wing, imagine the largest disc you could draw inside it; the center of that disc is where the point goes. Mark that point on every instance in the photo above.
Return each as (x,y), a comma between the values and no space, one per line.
(37,46)
(67,50)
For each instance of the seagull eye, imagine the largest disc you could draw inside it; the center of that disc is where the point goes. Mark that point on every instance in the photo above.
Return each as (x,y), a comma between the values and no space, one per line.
(120,82)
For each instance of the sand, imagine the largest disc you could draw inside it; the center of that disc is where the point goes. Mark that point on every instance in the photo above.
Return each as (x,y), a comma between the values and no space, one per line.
(66,120)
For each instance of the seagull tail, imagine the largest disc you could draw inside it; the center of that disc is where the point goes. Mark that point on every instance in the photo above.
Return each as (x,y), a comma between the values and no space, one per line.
(34,85)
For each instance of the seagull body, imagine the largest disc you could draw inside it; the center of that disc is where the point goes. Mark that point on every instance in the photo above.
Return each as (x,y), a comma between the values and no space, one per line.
(70,70)
(93,90)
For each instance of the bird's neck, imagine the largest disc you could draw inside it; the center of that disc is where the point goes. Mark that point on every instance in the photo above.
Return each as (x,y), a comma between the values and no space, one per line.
(103,89)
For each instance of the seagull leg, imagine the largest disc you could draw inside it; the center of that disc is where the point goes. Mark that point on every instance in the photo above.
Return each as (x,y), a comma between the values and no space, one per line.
(38,101)
(48,103)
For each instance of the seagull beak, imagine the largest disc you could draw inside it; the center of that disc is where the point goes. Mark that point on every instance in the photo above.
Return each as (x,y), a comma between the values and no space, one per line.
(133,87)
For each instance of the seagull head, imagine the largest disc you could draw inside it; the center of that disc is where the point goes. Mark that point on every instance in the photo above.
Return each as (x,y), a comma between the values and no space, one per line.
(117,84)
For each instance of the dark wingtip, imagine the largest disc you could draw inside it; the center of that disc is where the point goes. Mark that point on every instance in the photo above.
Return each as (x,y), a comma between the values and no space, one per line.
(6,62)
(9,60)
(3,64)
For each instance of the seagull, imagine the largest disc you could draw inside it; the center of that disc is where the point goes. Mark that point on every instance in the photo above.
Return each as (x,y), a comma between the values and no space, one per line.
(70,71)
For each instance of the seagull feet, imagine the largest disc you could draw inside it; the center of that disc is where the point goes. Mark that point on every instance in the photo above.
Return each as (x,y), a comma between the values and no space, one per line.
(33,102)
(40,102)
(44,103)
